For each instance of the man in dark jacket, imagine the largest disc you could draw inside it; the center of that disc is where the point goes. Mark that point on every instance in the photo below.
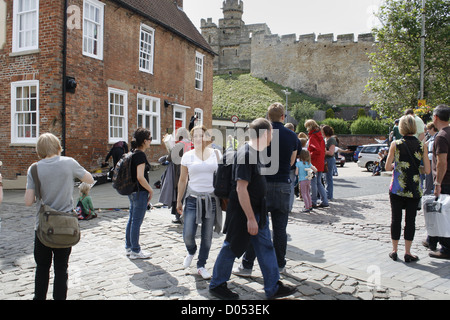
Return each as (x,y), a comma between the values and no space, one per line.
(247,221)
(116,152)
(281,155)
(441,173)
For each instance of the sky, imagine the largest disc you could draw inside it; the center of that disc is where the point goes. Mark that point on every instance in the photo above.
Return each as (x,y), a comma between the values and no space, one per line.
(295,16)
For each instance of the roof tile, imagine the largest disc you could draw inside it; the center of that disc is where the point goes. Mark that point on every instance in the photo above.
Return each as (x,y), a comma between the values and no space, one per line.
(167,14)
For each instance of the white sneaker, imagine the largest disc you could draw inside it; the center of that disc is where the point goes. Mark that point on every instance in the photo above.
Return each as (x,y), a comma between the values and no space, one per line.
(188,260)
(241,271)
(128,252)
(139,255)
(204,273)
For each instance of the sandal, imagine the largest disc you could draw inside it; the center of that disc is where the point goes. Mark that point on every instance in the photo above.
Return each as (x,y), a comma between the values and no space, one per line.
(393,256)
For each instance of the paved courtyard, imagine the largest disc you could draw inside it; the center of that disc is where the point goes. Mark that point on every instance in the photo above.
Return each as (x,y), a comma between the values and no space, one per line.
(336,253)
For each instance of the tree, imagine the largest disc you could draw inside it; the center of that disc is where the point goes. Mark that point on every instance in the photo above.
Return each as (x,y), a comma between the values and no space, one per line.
(395,80)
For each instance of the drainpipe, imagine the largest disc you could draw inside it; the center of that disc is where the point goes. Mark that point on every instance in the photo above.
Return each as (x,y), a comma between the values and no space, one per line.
(63,111)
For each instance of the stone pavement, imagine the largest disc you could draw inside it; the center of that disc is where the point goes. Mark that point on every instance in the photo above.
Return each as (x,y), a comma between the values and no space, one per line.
(337,253)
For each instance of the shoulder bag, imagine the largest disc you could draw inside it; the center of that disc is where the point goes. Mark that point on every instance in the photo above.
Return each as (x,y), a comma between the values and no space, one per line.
(56,229)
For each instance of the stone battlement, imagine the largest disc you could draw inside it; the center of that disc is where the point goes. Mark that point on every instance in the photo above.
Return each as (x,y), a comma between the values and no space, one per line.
(207,23)
(312,38)
(334,68)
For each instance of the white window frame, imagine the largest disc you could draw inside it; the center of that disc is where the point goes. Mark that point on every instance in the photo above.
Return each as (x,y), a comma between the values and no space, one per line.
(149,114)
(182,110)
(15,139)
(112,123)
(199,113)
(146,48)
(199,63)
(88,23)
(31,26)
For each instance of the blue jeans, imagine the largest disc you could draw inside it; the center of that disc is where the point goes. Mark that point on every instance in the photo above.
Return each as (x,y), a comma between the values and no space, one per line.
(138,207)
(277,201)
(190,230)
(266,259)
(293,182)
(317,186)
(329,176)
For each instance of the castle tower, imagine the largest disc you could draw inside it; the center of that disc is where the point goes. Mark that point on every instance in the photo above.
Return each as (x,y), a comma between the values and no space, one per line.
(231,40)
(232,16)
(233,10)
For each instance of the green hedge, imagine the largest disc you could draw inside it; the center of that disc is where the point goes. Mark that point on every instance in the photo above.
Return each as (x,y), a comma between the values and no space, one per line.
(366,125)
(340,126)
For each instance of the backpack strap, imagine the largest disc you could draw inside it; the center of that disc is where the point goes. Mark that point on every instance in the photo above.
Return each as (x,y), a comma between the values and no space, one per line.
(37,183)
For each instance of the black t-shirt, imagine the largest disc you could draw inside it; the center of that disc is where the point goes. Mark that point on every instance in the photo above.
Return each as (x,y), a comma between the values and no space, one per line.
(442,146)
(287,143)
(248,168)
(299,149)
(139,157)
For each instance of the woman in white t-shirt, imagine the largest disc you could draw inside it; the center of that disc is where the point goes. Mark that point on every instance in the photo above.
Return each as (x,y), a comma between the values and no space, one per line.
(201,205)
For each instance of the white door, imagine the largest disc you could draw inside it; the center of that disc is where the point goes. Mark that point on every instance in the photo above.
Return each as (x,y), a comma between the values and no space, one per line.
(179,116)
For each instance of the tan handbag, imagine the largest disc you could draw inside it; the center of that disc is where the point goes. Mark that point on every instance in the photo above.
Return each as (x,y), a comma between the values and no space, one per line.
(56,229)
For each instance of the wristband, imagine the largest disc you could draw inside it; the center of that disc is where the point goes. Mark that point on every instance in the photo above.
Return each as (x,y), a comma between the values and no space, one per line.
(437,184)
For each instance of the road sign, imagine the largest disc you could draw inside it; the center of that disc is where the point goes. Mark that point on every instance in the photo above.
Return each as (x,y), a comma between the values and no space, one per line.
(234,119)
(422,103)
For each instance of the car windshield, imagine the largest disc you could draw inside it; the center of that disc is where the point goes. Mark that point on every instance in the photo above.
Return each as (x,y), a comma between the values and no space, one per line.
(370,149)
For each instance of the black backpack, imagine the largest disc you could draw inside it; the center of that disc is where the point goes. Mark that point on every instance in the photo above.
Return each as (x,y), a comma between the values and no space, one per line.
(122,179)
(224,176)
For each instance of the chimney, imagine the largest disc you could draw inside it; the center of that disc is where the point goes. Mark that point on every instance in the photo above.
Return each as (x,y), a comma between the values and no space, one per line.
(179,4)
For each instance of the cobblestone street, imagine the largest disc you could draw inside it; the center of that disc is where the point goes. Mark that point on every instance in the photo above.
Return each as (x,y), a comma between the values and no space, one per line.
(336,253)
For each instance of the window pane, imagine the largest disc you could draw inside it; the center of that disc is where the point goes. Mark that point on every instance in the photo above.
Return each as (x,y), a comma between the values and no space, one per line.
(20,132)
(145,49)
(155,127)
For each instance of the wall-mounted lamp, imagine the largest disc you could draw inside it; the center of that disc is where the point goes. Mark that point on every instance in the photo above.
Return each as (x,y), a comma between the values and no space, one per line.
(71,84)
(167,103)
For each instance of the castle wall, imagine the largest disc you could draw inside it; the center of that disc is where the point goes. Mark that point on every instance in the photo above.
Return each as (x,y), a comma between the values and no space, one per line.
(232,43)
(333,70)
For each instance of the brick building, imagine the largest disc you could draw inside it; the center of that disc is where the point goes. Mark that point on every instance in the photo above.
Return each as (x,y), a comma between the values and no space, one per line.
(134,62)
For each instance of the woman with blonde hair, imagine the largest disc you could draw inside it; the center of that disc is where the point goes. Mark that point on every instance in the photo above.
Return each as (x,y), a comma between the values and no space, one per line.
(404,159)
(56,175)
(170,178)
(85,207)
(201,205)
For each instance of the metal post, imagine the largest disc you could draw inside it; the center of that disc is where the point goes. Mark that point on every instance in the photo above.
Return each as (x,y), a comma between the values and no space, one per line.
(287,93)
(422,52)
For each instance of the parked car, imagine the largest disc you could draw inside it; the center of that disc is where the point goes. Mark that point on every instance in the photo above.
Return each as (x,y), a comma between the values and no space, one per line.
(356,153)
(340,159)
(369,155)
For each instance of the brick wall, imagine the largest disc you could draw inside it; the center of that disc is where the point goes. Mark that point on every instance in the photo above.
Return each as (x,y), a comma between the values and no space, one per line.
(44,66)
(358,140)
(87,109)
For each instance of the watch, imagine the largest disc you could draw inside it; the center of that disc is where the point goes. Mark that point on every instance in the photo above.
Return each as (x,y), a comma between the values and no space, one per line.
(437,184)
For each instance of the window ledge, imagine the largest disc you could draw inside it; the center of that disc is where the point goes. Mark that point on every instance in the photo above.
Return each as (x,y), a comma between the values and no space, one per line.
(19,144)
(24,53)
